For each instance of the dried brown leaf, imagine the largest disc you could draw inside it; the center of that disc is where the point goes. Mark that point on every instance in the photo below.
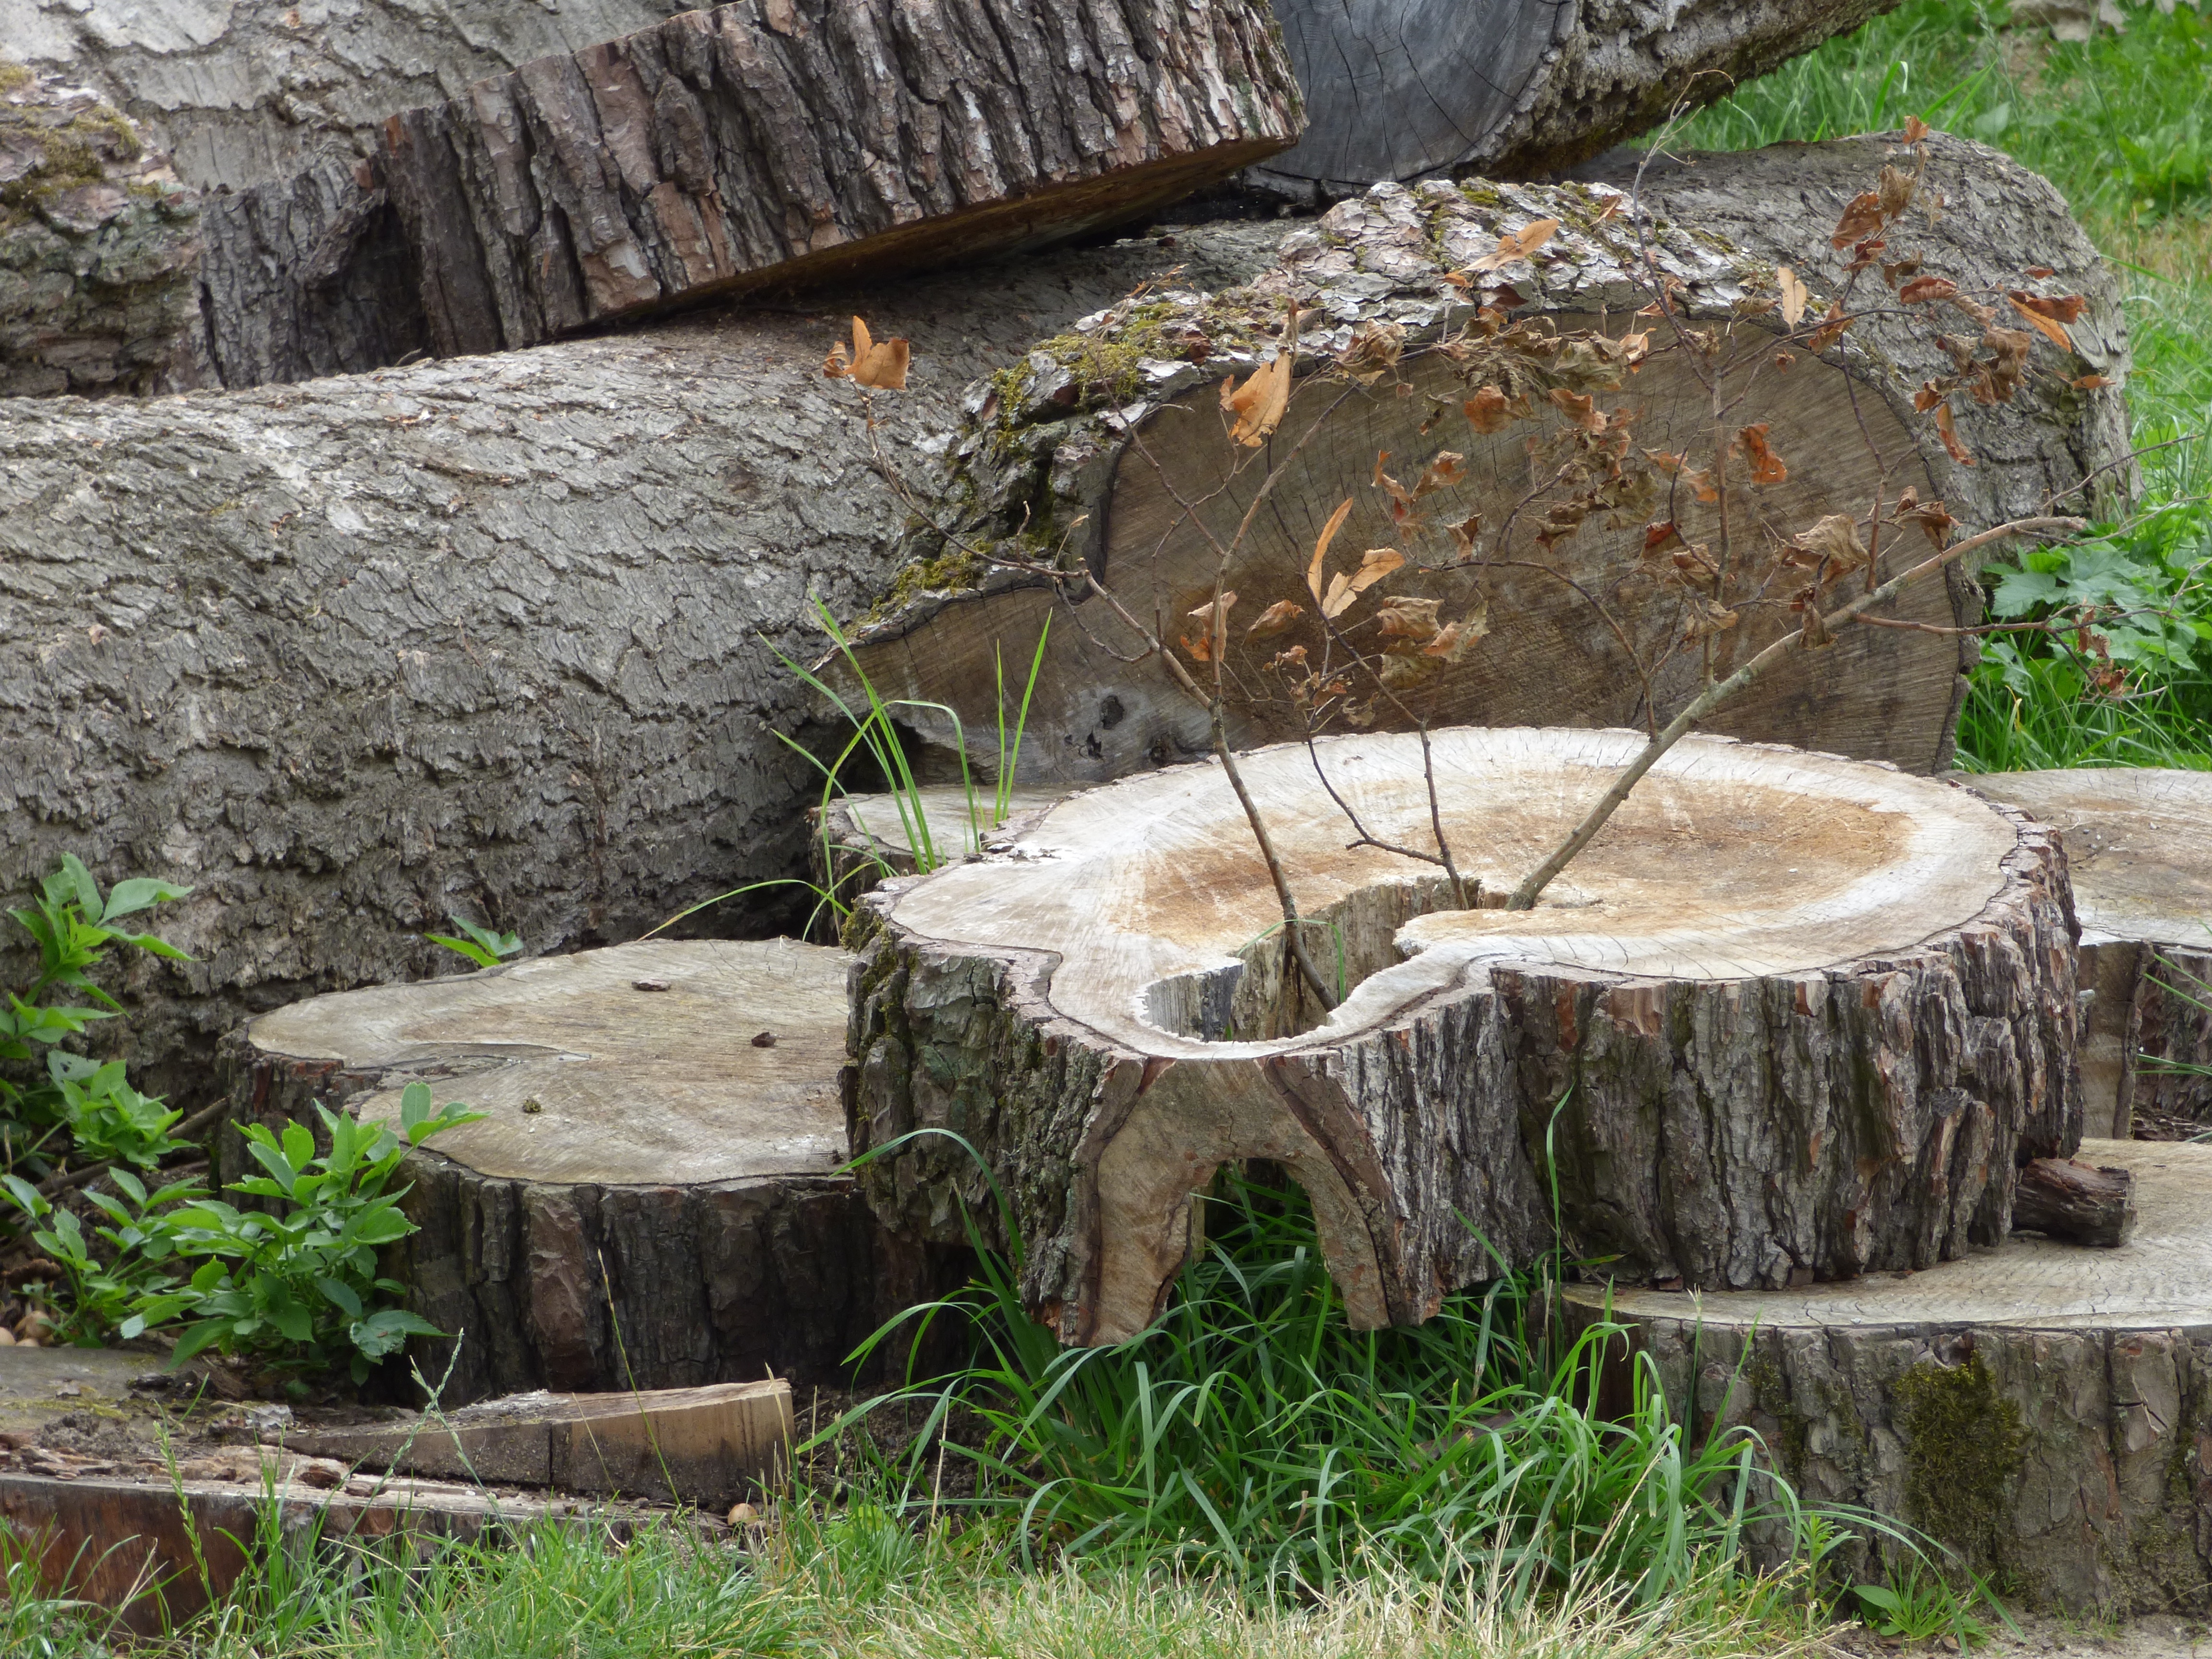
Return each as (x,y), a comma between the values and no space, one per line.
(1792,295)
(1487,411)
(1259,404)
(2042,316)
(1923,289)
(1934,523)
(1896,188)
(1406,618)
(1456,640)
(1862,218)
(1580,409)
(1274,619)
(1518,246)
(1321,547)
(1830,543)
(1375,564)
(1766,466)
(879,365)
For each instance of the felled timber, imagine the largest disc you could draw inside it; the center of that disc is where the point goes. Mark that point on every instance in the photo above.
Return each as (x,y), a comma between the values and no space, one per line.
(709,1446)
(1108,453)
(1405,89)
(2078,1203)
(497,635)
(653,1198)
(2042,1409)
(2139,844)
(1789,1017)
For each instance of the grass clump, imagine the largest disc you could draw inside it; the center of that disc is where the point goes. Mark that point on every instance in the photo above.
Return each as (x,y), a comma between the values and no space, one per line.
(2118,125)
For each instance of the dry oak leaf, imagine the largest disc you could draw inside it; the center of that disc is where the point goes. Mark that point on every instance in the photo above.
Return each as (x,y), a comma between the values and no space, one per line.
(1862,218)
(2048,318)
(1792,295)
(1518,246)
(1487,411)
(1766,466)
(1321,547)
(1274,619)
(1213,615)
(1259,404)
(1830,542)
(878,365)
(1922,288)
(1403,618)
(1344,587)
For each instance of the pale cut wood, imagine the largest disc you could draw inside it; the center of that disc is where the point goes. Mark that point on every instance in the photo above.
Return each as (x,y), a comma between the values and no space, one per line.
(653,1198)
(1790,1016)
(1108,451)
(780,142)
(860,839)
(498,636)
(706,1447)
(1400,89)
(2042,1408)
(2139,846)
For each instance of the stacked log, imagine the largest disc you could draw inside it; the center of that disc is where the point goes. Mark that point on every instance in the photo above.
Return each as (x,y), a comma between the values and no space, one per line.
(1796,1018)
(1106,455)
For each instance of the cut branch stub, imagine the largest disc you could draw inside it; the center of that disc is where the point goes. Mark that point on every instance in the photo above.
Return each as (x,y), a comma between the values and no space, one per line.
(1789,1017)
(1400,89)
(1107,453)
(2044,1410)
(2139,848)
(652,1199)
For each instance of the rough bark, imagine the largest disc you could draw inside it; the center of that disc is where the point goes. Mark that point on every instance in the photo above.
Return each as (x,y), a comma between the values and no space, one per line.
(2074,1202)
(1791,1016)
(1404,89)
(1105,451)
(496,636)
(2139,843)
(800,141)
(652,1199)
(98,247)
(2042,1409)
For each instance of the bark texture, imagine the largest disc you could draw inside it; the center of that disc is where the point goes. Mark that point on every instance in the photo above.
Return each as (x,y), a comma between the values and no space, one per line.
(98,246)
(2042,1409)
(652,1200)
(1794,1017)
(1402,89)
(774,142)
(496,636)
(2074,1202)
(2140,845)
(1105,450)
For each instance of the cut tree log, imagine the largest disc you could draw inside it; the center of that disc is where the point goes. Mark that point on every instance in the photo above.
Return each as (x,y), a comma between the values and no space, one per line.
(1789,1017)
(652,1200)
(706,1447)
(2042,1409)
(1107,452)
(779,141)
(2139,845)
(2076,1202)
(497,635)
(1406,90)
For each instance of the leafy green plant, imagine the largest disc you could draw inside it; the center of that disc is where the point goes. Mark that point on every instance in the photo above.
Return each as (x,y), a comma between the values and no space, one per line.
(103,1290)
(74,925)
(1922,1605)
(296,1288)
(481,945)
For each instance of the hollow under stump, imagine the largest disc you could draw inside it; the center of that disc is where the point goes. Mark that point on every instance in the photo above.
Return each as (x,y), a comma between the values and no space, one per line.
(2139,847)
(1789,1017)
(653,1197)
(2044,1409)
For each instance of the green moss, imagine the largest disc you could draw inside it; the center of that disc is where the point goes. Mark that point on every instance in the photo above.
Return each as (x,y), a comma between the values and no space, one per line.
(12,76)
(951,569)
(1965,1446)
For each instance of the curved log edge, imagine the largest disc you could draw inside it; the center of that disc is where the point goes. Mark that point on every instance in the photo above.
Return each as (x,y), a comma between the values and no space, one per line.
(1090,451)
(1402,89)
(1795,1017)
(2044,1409)
(2139,844)
(652,1200)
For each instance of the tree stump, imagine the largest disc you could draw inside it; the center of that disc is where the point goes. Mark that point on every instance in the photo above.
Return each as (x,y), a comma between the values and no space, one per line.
(1791,1016)
(2139,847)
(861,839)
(1107,452)
(2044,1409)
(497,635)
(1405,89)
(652,1199)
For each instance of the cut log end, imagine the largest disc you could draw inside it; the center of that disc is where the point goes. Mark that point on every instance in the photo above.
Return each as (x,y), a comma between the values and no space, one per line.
(2040,1408)
(653,1197)
(2074,1202)
(1725,1044)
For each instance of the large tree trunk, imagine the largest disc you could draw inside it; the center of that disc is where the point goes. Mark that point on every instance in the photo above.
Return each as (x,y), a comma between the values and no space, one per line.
(1789,1017)
(2139,846)
(1405,89)
(1106,451)
(653,1198)
(497,635)
(2044,1409)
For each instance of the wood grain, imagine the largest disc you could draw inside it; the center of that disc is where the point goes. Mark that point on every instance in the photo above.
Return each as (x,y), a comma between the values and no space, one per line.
(1797,1017)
